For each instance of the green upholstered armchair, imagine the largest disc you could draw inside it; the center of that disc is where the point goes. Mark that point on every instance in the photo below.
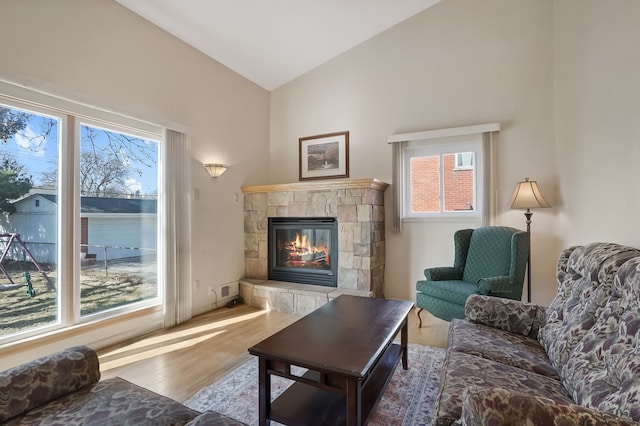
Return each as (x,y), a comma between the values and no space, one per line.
(489,260)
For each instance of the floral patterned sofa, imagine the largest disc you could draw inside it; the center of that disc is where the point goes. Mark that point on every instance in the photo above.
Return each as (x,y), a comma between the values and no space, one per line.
(576,362)
(64,389)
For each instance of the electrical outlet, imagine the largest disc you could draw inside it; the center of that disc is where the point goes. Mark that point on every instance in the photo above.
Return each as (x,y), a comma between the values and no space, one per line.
(212,291)
(224,291)
(196,283)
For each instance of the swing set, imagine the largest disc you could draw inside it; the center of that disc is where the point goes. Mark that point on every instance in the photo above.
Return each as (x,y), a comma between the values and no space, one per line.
(14,238)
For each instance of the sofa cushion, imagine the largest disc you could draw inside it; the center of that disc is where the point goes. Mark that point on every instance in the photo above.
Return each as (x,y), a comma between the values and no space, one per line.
(501,346)
(109,402)
(453,291)
(45,379)
(603,371)
(502,407)
(584,286)
(505,314)
(463,370)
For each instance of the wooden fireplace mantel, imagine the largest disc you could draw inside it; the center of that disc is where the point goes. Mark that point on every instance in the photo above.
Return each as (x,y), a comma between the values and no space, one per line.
(371,183)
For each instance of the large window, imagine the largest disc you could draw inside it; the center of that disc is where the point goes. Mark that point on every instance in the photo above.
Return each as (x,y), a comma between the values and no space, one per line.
(110,169)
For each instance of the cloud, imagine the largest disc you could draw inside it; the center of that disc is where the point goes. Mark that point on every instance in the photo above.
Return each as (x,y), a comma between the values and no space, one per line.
(133,185)
(33,141)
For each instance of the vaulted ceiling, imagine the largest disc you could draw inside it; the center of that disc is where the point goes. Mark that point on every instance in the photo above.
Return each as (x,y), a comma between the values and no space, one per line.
(271,42)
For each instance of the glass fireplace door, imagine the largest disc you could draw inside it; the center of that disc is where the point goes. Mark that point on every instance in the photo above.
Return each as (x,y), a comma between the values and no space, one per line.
(303,250)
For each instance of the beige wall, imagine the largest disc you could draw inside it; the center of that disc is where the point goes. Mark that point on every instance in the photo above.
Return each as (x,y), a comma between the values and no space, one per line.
(597,104)
(562,84)
(458,63)
(97,52)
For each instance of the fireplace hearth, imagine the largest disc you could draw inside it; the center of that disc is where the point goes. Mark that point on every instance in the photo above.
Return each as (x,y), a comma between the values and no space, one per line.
(303,250)
(358,254)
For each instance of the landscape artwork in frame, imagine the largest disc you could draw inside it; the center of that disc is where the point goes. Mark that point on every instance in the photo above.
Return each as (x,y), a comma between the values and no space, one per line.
(324,156)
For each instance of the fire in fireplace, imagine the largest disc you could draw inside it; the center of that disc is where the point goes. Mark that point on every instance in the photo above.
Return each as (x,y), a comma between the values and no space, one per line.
(303,250)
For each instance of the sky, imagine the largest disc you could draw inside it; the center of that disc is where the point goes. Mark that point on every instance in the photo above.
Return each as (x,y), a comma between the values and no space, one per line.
(39,155)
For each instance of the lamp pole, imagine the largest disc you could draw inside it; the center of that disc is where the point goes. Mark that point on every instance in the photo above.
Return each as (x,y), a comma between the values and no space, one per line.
(528,215)
(527,196)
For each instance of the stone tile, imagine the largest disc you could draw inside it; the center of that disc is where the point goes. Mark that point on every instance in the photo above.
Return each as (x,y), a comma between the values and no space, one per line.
(309,289)
(255,268)
(378,214)
(263,249)
(354,192)
(251,253)
(257,201)
(366,232)
(299,196)
(349,201)
(357,262)
(279,198)
(365,212)
(255,221)
(304,304)
(281,302)
(282,211)
(298,209)
(345,259)
(347,214)
(323,204)
(339,292)
(364,280)
(251,241)
(345,236)
(271,211)
(348,278)
(372,196)
(365,263)
(362,249)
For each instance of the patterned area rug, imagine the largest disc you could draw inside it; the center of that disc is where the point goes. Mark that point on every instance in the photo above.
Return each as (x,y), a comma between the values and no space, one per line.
(409,398)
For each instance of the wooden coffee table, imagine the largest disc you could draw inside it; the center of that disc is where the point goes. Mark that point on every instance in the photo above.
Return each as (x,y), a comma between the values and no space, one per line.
(347,346)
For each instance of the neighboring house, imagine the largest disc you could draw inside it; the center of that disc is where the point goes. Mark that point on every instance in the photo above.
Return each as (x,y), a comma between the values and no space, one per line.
(120,227)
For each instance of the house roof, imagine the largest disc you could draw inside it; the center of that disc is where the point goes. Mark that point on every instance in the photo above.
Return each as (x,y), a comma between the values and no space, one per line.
(109,205)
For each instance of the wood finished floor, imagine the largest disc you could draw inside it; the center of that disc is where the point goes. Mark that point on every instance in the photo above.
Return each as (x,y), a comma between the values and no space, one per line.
(179,361)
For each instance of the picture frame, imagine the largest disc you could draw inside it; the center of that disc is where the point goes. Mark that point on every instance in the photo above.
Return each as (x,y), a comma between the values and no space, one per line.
(324,156)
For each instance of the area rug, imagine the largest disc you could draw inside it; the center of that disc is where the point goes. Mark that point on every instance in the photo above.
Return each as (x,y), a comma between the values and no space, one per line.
(408,400)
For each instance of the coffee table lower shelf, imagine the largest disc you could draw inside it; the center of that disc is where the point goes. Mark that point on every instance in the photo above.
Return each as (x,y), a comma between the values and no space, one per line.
(307,405)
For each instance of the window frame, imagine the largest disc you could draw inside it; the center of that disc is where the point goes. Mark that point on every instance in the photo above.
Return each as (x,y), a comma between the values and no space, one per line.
(441,147)
(488,132)
(71,116)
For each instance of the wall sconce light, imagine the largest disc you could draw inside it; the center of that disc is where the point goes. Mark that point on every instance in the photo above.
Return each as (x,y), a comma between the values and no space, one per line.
(215,170)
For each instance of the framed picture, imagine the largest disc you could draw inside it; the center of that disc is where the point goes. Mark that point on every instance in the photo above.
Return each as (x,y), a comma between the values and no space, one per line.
(324,156)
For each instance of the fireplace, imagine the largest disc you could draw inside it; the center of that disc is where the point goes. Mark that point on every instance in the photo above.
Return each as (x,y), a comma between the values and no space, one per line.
(303,250)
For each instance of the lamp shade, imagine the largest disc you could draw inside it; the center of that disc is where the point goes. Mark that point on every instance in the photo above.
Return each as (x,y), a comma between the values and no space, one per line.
(215,170)
(527,195)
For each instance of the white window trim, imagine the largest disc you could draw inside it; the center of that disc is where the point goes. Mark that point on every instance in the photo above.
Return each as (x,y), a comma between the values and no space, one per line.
(440,147)
(71,114)
(489,134)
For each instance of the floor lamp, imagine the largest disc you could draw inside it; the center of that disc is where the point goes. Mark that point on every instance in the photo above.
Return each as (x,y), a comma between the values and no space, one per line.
(527,195)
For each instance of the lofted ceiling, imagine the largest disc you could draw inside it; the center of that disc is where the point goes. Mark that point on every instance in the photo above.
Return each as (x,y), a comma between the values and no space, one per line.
(271,42)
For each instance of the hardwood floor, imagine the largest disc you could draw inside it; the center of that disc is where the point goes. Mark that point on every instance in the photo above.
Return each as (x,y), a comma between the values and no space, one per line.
(179,361)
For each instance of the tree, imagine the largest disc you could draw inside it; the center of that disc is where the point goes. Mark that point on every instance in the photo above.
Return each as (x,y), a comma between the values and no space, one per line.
(101,175)
(14,183)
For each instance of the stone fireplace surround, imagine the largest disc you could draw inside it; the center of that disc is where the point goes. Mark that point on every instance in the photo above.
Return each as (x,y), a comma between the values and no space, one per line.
(358,205)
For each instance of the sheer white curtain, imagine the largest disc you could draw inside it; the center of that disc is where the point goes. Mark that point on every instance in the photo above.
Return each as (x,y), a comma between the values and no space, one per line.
(176,227)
